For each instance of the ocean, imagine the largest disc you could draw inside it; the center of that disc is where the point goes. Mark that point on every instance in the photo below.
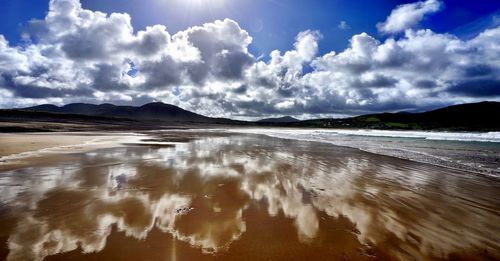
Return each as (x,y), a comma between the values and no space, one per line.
(471,151)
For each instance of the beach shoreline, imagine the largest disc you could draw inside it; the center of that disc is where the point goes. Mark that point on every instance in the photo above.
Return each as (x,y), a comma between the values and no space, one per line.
(18,148)
(209,193)
(23,145)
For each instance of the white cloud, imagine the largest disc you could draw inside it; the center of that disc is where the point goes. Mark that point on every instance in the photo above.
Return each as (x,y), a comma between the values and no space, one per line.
(77,55)
(408,15)
(343,25)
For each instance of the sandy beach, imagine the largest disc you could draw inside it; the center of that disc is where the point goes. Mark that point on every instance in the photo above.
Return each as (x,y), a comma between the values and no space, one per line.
(18,149)
(186,195)
(19,143)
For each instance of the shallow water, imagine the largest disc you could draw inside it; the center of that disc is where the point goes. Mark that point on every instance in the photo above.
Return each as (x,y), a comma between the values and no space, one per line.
(470,151)
(244,197)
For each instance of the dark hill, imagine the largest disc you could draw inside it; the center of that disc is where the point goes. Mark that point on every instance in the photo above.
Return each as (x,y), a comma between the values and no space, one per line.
(482,116)
(471,116)
(151,111)
(285,119)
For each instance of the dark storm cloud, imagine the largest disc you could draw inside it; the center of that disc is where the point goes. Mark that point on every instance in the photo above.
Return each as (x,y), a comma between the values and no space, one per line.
(377,81)
(108,77)
(165,72)
(477,70)
(487,88)
(241,90)
(231,65)
(33,91)
(425,83)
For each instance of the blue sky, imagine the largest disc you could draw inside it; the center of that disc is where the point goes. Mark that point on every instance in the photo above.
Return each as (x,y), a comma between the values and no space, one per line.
(272,23)
(220,57)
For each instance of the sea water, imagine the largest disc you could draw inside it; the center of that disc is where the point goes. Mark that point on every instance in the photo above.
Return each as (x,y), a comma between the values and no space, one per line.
(477,152)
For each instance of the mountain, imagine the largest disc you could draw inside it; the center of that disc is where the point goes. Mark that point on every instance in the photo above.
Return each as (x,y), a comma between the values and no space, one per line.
(285,119)
(481,116)
(156,111)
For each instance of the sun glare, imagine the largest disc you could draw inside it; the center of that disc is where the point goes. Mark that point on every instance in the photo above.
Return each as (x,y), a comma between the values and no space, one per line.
(196,3)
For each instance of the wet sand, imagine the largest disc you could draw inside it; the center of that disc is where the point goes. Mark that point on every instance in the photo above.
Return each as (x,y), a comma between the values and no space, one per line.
(19,143)
(17,148)
(220,196)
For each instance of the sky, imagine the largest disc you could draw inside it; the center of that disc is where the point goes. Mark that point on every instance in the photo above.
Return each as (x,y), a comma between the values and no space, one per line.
(251,58)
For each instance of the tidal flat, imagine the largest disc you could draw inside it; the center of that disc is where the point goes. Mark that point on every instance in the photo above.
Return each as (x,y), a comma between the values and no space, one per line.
(192,195)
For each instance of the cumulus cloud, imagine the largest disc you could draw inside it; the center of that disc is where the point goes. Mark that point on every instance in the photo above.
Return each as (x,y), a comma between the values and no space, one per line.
(408,15)
(78,55)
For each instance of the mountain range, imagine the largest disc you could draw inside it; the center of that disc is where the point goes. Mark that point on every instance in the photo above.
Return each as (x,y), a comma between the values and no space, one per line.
(481,116)
(156,111)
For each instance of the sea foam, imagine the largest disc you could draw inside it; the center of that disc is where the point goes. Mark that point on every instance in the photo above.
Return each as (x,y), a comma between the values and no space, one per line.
(429,135)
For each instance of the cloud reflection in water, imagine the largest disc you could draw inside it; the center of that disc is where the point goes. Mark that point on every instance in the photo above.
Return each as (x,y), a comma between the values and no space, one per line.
(405,208)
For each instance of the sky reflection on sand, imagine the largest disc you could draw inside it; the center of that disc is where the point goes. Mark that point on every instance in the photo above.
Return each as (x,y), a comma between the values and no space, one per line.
(341,201)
